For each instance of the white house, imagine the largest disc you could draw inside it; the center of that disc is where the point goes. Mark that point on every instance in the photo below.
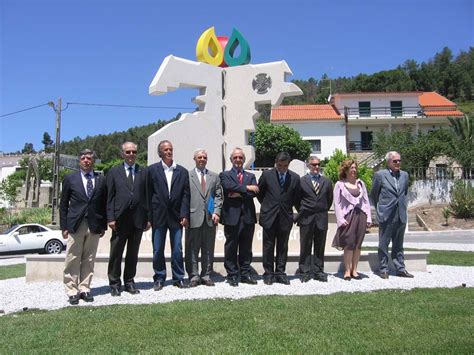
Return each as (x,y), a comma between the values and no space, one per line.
(351,120)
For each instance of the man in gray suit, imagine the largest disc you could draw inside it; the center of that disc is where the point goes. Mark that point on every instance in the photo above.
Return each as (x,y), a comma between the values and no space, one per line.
(389,195)
(205,207)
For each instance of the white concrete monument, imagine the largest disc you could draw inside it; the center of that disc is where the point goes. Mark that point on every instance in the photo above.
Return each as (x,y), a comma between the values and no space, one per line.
(227,101)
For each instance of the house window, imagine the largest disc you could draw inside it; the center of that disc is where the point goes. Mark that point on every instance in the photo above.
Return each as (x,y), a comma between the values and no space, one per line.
(364,108)
(315,145)
(396,108)
(366,140)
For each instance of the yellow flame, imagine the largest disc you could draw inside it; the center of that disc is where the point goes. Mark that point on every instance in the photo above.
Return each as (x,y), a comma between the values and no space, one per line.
(209,42)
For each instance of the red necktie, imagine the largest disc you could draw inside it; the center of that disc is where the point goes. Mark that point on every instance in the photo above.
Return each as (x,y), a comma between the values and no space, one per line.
(240,176)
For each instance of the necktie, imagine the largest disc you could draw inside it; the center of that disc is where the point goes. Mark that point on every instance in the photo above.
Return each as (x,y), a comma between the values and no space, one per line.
(89,186)
(203,182)
(315,180)
(130,175)
(282,180)
(240,176)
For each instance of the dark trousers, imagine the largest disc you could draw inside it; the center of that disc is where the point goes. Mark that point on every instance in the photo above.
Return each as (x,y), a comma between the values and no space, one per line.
(279,236)
(311,237)
(392,231)
(125,233)
(238,246)
(202,240)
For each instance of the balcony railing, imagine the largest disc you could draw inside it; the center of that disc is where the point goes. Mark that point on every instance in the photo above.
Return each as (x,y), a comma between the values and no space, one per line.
(383,112)
(441,173)
(360,146)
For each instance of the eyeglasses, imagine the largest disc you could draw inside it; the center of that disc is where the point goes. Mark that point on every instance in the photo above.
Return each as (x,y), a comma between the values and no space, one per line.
(396,161)
(130,152)
(237,157)
(315,164)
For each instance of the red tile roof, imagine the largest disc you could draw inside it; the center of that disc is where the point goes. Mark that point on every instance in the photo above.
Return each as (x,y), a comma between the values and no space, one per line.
(434,104)
(305,113)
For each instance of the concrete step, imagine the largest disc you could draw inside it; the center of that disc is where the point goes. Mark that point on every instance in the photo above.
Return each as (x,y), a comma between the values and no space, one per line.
(50,267)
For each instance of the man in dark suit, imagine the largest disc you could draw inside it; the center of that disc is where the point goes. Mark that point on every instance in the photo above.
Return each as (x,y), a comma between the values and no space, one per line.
(278,193)
(389,195)
(239,218)
(83,221)
(127,217)
(206,204)
(316,200)
(168,210)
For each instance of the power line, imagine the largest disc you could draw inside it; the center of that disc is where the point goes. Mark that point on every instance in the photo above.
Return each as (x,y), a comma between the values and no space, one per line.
(130,106)
(26,109)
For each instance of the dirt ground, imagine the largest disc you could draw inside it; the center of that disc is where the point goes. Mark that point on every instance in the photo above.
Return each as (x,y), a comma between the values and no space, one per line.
(433,217)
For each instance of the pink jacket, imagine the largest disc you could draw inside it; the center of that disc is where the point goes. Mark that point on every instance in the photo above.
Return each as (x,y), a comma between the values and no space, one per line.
(344,202)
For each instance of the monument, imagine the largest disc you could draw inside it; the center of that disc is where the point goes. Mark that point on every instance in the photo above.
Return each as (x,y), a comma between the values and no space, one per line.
(230,89)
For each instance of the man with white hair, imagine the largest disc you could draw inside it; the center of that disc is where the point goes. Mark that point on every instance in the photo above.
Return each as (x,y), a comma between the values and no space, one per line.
(389,195)
(205,210)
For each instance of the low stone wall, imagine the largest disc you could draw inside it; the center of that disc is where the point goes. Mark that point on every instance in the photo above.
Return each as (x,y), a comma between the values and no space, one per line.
(423,192)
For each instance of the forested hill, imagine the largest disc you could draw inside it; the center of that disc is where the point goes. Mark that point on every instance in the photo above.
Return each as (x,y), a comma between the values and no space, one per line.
(451,76)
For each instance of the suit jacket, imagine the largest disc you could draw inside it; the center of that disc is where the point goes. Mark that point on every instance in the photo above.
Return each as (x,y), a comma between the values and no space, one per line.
(75,204)
(314,207)
(122,196)
(277,203)
(390,204)
(235,207)
(165,209)
(200,201)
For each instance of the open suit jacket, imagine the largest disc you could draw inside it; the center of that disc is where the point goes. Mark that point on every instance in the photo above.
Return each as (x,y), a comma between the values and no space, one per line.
(165,209)
(390,203)
(200,201)
(75,203)
(277,202)
(314,207)
(122,196)
(235,207)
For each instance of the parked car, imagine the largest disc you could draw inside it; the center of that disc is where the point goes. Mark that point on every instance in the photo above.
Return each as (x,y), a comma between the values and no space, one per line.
(28,238)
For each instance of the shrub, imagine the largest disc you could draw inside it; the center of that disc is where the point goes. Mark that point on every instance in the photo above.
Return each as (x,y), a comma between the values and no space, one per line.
(32,215)
(462,199)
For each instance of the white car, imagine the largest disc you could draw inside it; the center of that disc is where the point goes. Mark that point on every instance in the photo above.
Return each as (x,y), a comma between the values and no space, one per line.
(27,238)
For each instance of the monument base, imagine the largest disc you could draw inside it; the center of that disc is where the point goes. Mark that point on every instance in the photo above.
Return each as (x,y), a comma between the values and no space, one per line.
(50,267)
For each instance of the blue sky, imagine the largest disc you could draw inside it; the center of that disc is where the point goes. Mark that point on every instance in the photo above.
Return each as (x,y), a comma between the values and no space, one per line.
(109,51)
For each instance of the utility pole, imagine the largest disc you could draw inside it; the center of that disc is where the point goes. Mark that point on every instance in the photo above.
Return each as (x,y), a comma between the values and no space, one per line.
(55,197)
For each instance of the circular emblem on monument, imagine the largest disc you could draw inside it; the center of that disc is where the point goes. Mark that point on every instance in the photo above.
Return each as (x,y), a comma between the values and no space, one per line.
(262,83)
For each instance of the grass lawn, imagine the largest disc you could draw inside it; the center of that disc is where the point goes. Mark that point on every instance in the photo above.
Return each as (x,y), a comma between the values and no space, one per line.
(422,320)
(11,271)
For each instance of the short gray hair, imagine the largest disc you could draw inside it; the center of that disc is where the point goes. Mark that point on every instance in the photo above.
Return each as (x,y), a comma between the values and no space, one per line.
(234,150)
(124,144)
(311,158)
(87,152)
(390,154)
(199,150)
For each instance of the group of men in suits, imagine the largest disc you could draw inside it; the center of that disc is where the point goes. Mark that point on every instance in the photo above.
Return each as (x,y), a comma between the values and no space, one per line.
(168,198)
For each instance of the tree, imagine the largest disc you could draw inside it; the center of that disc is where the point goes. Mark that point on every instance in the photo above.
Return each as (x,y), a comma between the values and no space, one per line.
(28,148)
(462,148)
(47,142)
(271,139)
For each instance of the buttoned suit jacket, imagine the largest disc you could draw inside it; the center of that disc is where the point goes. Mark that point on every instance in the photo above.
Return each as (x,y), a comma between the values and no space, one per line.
(277,203)
(165,209)
(314,207)
(74,204)
(233,208)
(200,201)
(390,204)
(121,195)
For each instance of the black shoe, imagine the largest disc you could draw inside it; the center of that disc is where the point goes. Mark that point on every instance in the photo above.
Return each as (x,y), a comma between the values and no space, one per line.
(157,286)
(268,280)
(347,278)
(358,277)
(322,277)
(405,273)
(114,291)
(208,282)
(248,280)
(132,289)
(232,281)
(86,296)
(194,283)
(282,279)
(384,275)
(305,278)
(179,284)
(73,300)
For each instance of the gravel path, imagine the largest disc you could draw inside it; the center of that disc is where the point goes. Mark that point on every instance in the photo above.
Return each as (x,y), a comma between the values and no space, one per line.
(17,295)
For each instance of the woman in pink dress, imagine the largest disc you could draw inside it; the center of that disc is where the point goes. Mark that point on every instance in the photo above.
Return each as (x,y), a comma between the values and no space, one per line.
(353,217)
